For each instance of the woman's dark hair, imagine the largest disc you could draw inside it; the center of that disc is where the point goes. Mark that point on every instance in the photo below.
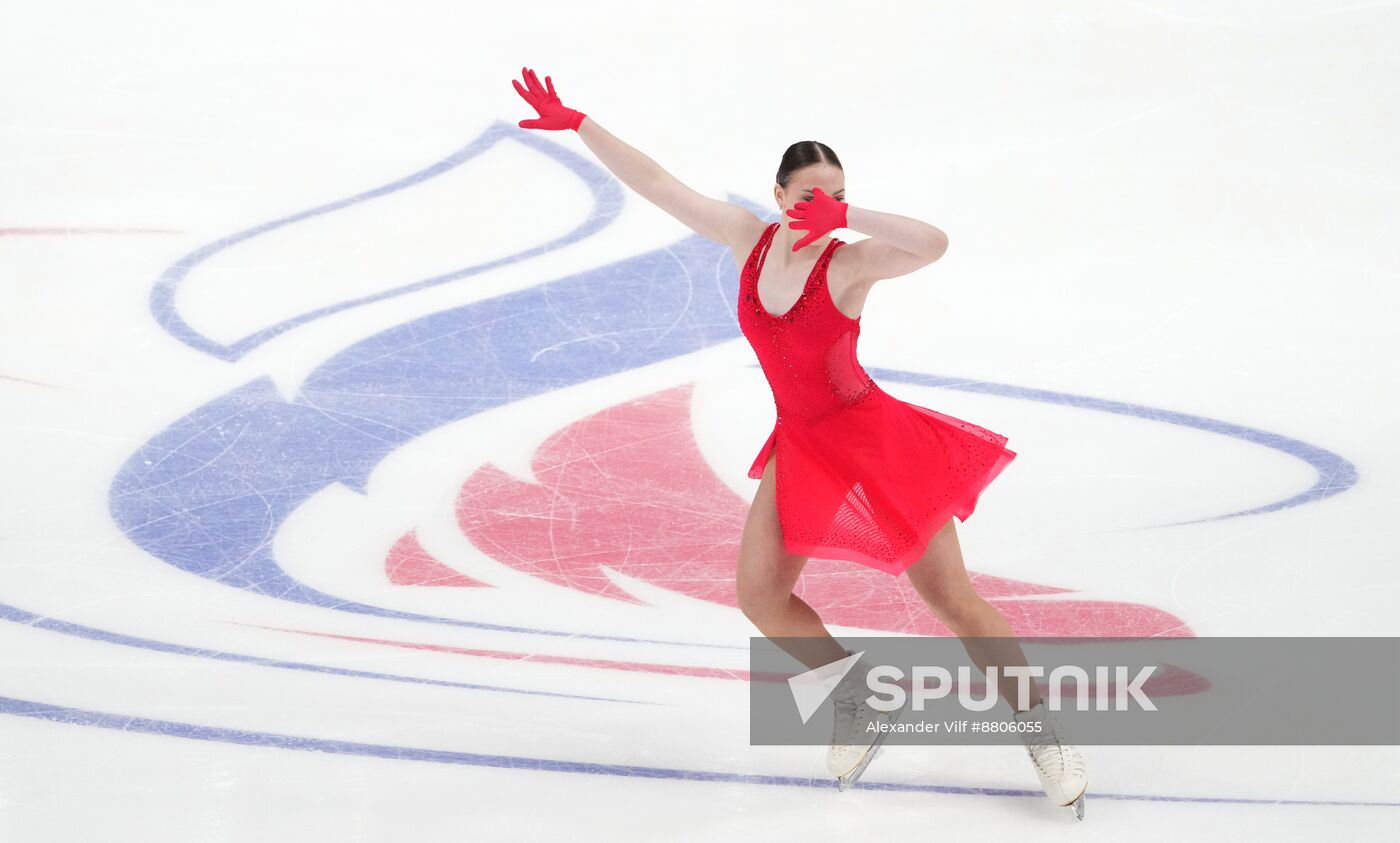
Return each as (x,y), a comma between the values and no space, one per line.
(803,153)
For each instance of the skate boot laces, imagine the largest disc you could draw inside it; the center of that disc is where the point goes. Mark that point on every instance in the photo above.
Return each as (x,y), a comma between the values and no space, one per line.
(1053,757)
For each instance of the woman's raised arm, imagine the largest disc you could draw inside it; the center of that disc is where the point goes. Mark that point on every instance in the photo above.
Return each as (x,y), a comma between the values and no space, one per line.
(723,222)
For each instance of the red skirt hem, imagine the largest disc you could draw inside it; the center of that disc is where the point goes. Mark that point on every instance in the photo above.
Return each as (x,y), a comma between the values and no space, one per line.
(963,509)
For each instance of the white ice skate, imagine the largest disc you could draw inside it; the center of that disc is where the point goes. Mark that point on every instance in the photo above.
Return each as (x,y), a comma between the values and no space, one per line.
(1061,768)
(853,743)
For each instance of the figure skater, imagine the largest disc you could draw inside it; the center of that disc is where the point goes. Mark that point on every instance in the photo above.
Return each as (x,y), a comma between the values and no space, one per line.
(848,471)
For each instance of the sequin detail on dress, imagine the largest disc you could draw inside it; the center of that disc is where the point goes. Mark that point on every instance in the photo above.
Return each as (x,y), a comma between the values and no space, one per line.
(860,474)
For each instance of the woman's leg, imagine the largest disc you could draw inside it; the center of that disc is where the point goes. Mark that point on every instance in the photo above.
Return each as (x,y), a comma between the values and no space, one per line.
(766,576)
(940,577)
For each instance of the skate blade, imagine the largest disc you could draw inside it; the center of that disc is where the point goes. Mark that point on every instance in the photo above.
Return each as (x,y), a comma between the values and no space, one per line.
(1077,806)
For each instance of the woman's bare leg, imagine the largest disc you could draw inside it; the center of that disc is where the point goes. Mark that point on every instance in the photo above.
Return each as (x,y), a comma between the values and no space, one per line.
(940,578)
(766,576)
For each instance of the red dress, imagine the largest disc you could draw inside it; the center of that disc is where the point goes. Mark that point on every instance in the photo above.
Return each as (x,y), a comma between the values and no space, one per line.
(861,475)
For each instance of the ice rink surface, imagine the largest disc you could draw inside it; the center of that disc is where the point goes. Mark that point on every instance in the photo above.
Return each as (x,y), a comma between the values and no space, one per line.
(374,469)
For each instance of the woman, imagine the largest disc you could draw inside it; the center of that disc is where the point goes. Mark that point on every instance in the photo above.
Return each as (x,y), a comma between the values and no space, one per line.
(849,472)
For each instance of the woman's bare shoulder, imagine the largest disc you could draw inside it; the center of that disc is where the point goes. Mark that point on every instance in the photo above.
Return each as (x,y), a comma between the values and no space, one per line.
(743,237)
(746,234)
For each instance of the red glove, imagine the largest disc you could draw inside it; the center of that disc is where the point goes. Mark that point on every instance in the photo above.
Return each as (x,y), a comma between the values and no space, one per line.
(818,217)
(553,113)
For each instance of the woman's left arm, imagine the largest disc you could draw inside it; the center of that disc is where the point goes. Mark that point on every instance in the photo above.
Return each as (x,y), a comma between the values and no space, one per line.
(905,233)
(897,245)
